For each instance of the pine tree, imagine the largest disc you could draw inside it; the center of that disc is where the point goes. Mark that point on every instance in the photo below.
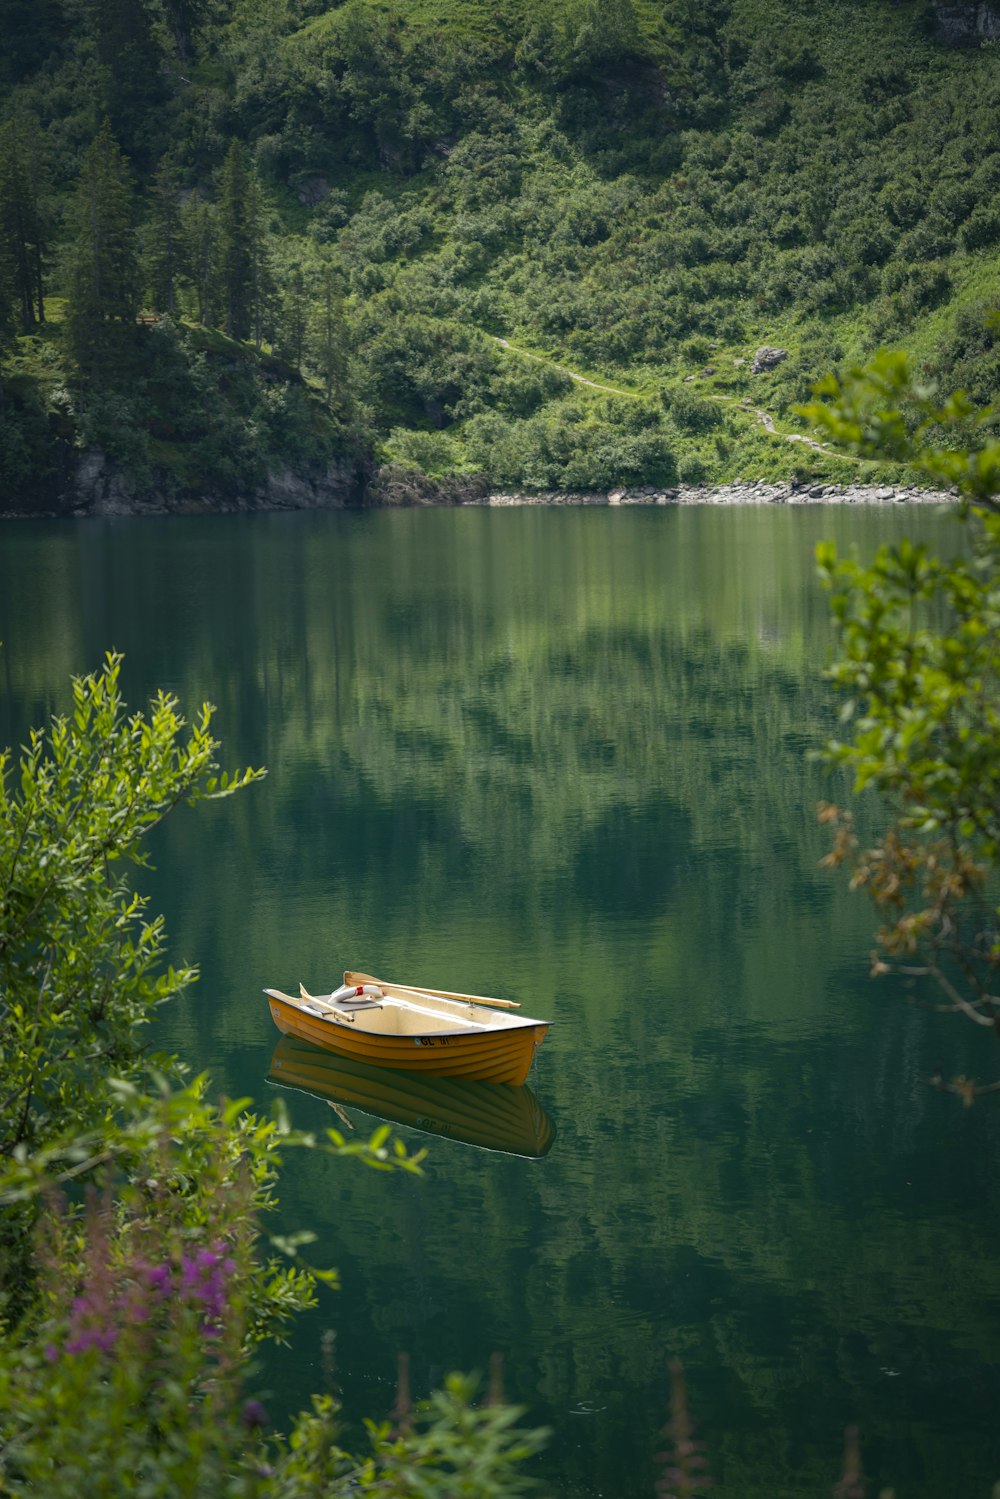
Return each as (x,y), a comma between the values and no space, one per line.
(22,215)
(32,30)
(245,276)
(262,285)
(236,244)
(327,344)
(294,317)
(184,17)
(104,272)
(127,41)
(200,254)
(164,239)
(7,324)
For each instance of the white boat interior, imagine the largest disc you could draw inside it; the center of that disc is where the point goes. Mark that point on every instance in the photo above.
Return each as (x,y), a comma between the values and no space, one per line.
(396,1015)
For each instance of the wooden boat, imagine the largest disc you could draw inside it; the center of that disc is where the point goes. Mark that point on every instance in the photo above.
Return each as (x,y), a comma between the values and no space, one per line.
(418,1030)
(488,1115)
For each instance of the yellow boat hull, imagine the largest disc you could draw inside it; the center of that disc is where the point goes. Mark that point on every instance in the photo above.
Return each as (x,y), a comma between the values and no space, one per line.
(501,1055)
(486,1115)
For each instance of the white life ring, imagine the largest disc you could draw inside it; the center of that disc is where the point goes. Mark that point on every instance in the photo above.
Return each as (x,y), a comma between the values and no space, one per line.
(355,991)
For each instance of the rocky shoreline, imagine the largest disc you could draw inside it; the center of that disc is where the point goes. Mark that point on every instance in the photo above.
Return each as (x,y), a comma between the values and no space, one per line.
(101,493)
(754,493)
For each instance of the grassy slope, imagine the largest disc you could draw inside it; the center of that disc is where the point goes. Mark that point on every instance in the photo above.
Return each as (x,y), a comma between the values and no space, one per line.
(639,191)
(593,219)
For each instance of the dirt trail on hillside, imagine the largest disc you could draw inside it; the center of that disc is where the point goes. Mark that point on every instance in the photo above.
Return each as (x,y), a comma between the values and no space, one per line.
(767,422)
(612,390)
(764,417)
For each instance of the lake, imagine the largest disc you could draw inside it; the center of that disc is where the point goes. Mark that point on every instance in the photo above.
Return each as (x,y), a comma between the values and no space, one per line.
(564,756)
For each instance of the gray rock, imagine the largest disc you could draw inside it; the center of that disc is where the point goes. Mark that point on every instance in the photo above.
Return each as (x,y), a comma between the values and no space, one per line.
(966,25)
(312,190)
(767,358)
(100,488)
(285,490)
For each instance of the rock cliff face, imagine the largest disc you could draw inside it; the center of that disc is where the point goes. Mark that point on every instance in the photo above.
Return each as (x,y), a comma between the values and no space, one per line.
(969,24)
(98,487)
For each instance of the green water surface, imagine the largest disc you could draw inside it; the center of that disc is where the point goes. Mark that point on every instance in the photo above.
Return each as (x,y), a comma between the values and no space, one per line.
(564,756)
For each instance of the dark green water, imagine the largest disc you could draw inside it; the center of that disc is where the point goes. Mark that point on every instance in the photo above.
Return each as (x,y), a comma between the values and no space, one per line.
(563,756)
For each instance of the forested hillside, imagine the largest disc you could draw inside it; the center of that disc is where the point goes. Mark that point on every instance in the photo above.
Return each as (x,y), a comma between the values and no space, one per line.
(270,248)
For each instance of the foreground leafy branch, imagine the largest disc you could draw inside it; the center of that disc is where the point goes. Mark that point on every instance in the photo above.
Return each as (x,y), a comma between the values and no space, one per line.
(919,678)
(883,412)
(81,963)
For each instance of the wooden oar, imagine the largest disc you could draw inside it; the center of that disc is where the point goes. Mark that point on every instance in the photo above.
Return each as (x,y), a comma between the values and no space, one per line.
(472,999)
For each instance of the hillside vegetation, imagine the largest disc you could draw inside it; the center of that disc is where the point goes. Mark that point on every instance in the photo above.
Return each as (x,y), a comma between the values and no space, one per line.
(337,214)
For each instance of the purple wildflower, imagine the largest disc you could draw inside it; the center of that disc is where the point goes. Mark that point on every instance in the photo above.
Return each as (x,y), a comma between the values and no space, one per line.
(190,1273)
(204,1277)
(254,1415)
(91,1325)
(158,1278)
(103,1338)
(134,1306)
(99,1315)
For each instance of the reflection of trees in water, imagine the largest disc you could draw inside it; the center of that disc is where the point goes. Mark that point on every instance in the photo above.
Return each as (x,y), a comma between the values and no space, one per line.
(718,1229)
(533,754)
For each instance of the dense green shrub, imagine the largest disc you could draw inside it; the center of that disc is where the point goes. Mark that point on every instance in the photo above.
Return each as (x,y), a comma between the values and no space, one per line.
(689,412)
(692,469)
(793,380)
(420,367)
(433,453)
(567,448)
(982,228)
(34,456)
(969,354)
(931,239)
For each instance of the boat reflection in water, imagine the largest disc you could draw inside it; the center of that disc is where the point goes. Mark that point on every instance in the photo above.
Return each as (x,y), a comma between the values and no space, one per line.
(493,1116)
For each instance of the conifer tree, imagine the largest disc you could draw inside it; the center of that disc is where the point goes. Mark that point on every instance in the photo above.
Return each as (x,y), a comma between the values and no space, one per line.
(22,215)
(127,41)
(7,329)
(294,317)
(32,29)
(237,251)
(103,272)
(200,254)
(164,239)
(327,338)
(246,282)
(262,286)
(184,17)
